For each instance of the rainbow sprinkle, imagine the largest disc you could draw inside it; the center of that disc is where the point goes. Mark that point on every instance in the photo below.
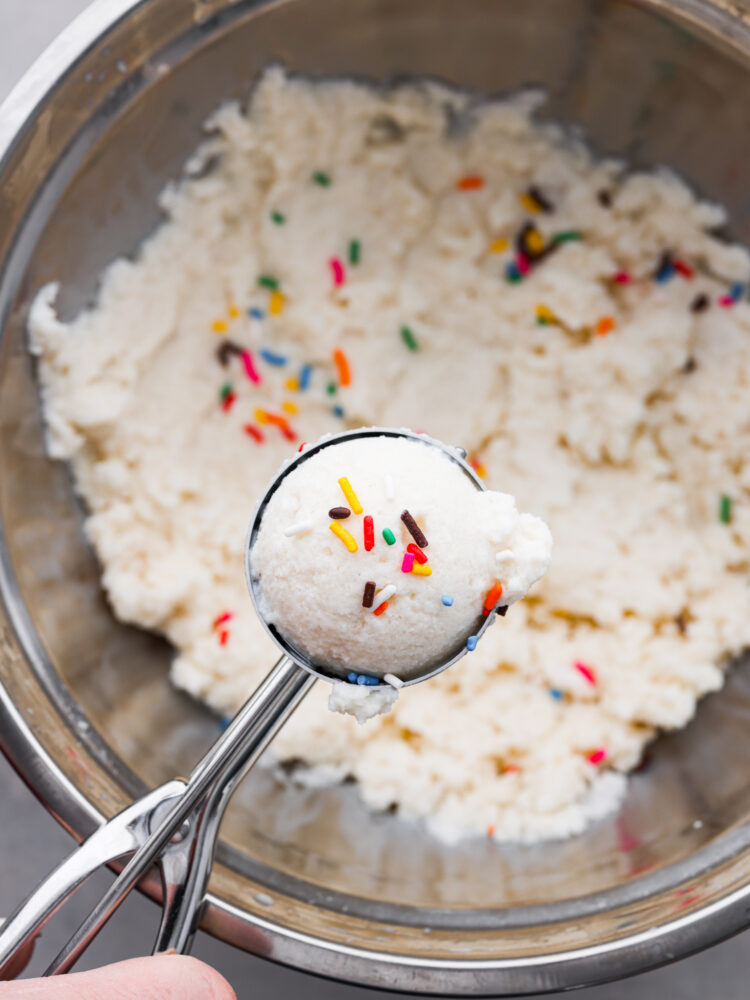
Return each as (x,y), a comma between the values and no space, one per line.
(351,496)
(338,411)
(337,270)
(605,325)
(289,407)
(472,182)
(533,200)
(567,236)
(342,364)
(339,513)
(344,535)
(226,350)
(249,366)
(556,694)
(292,384)
(331,388)
(368,530)
(225,616)
(305,374)
(700,303)
(545,316)
(255,313)
(223,637)
(276,303)
(321,179)
(381,608)
(409,339)
(499,245)
(369,594)
(390,538)
(493,596)
(354,251)
(512,273)
(622,277)
(585,672)
(725,509)
(219,326)
(418,570)
(268,281)
(278,218)
(414,530)
(471,643)
(233,311)
(383,596)
(271,358)
(418,554)
(299,528)
(596,756)
(447,600)
(253,432)
(665,269)
(394,681)
(408,562)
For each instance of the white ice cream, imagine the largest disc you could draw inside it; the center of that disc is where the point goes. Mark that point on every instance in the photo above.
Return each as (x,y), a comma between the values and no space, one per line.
(623,443)
(311,585)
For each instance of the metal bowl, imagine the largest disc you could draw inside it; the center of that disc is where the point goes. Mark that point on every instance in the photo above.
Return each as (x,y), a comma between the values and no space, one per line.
(309,877)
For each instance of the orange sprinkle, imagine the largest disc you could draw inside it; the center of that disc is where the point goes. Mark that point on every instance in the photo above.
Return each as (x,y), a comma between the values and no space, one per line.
(491,830)
(605,324)
(342,363)
(472,182)
(493,596)
(381,609)
(262,417)
(219,326)
(512,768)
(233,312)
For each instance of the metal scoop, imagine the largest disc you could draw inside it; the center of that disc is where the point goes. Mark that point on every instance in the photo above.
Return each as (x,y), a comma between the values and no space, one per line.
(176,826)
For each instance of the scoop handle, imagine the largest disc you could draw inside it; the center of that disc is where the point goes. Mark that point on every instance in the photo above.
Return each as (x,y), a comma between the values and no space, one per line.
(174,826)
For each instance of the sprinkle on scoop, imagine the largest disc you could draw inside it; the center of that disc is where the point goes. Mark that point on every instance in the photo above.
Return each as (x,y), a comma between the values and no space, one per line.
(369,594)
(351,496)
(344,535)
(368,527)
(414,530)
(298,528)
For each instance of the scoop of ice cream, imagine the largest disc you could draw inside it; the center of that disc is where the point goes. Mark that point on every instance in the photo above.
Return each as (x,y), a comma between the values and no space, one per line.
(381,555)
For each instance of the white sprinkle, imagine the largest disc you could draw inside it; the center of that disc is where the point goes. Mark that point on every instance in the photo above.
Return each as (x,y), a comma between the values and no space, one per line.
(394,681)
(504,555)
(390,493)
(385,595)
(698,825)
(298,528)
(263,898)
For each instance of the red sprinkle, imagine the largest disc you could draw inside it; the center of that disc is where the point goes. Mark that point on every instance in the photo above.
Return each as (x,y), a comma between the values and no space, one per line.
(369,533)
(726,301)
(472,182)
(522,263)
(253,432)
(225,616)
(250,371)
(381,609)
(596,756)
(223,637)
(228,402)
(283,424)
(684,269)
(302,446)
(408,562)
(493,596)
(622,278)
(337,269)
(417,553)
(587,672)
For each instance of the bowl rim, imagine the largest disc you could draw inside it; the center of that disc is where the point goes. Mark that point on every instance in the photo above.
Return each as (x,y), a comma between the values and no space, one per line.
(627,955)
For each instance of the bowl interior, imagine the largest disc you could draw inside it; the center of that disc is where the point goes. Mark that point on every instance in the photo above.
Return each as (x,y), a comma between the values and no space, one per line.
(643,86)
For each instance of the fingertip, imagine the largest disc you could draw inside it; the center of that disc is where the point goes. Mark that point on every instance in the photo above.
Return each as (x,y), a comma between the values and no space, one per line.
(195,980)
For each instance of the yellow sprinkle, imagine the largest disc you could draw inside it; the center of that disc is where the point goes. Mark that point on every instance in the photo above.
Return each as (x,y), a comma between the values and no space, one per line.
(419,570)
(262,417)
(499,246)
(344,535)
(545,315)
(534,241)
(291,385)
(233,312)
(529,203)
(276,303)
(219,326)
(350,495)
(289,407)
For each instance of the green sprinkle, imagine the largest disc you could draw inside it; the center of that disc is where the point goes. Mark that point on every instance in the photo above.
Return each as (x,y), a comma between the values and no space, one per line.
(278,217)
(567,236)
(266,281)
(354,248)
(409,339)
(320,178)
(725,509)
(226,390)
(331,388)
(389,536)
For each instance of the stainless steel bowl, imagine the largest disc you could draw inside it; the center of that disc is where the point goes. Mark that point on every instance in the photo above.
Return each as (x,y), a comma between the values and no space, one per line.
(86,713)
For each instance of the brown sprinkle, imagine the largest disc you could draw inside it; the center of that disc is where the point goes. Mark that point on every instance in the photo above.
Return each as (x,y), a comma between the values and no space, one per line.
(700,303)
(369,595)
(226,350)
(414,530)
(690,365)
(604,198)
(339,513)
(502,610)
(540,198)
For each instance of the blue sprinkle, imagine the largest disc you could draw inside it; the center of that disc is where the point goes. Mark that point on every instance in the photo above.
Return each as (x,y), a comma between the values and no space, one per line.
(512,273)
(352,677)
(665,272)
(304,377)
(736,291)
(255,313)
(471,643)
(557,694)
(338,411)
(224,724)
(273,359)
(361,679)
(447,600)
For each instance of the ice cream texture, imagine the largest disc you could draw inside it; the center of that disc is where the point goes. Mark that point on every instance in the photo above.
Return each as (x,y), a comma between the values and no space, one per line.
(323,558)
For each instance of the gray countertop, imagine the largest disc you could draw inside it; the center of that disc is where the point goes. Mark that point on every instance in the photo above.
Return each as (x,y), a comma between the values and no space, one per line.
(31,842)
